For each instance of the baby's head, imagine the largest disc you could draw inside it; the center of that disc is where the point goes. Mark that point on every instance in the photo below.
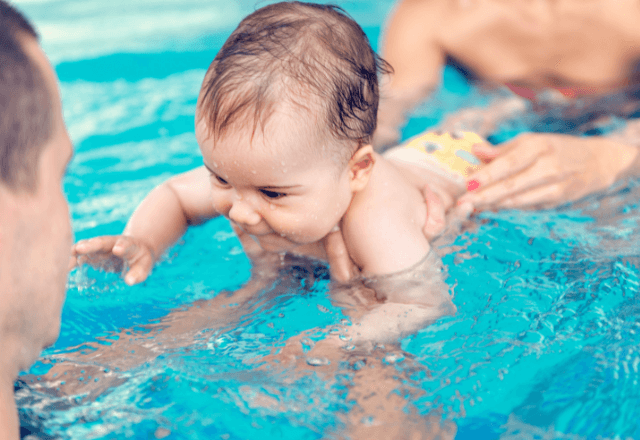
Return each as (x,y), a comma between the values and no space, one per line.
(303,55)
(293,93)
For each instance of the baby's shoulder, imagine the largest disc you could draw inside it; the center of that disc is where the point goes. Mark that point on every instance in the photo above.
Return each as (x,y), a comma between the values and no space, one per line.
(383,226)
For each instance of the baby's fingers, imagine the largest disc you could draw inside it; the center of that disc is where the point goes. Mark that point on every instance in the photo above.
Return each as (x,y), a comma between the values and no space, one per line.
(139,270)
(138,257)
(126,248)
(102,244)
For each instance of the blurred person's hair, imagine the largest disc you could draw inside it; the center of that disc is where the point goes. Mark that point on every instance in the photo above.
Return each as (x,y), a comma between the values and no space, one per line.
(25,103)
(312,55)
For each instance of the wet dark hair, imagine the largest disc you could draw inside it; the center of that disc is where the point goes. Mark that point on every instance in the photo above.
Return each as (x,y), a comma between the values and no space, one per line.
(306,53)
(25,104)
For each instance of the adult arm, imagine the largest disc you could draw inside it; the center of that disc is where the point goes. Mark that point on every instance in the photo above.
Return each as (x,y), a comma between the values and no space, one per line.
(485,120)
(410,46)
(158,222)
(538,170)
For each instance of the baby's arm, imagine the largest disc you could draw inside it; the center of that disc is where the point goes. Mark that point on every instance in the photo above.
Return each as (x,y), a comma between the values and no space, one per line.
(158,222)
(384,234)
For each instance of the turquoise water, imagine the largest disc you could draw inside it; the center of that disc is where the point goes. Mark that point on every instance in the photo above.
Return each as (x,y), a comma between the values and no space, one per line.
(544,344)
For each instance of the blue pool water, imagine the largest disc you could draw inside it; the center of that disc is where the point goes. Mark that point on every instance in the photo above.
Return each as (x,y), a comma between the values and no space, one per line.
(544,343)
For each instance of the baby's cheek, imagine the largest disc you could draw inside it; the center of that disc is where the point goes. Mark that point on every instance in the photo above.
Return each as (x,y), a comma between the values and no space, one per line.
(221,203)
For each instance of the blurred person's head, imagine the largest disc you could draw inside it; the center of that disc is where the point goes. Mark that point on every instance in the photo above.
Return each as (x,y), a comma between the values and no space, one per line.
(35,231)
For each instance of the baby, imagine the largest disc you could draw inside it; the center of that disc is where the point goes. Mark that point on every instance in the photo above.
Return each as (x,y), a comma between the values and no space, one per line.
(284,121)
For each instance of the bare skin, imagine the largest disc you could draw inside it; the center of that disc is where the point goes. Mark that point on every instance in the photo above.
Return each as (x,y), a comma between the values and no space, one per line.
(570,48)
(298,212)
(35,236)
(374,387)
(360,200)
(382,410)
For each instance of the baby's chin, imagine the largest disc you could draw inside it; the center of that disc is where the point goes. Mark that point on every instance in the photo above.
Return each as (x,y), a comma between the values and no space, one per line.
(275,243)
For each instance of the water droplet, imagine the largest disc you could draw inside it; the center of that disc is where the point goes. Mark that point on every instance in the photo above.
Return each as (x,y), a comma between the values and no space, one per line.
(358,365)
(317,361)
(393,358)
(283,163)
(254,172)
(284,170)
(368,421)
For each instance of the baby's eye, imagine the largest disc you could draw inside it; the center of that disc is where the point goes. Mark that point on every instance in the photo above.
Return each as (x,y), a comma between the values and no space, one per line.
(272,194)
(220,180)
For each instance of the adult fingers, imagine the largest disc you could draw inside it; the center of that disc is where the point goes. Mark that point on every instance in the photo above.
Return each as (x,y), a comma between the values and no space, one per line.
(515,159)
(490,196)
(546,196)
(435,223)
(463,210)
(486,152)
(341,266)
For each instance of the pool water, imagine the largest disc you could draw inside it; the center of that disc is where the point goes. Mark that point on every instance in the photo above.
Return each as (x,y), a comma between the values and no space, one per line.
(544,343)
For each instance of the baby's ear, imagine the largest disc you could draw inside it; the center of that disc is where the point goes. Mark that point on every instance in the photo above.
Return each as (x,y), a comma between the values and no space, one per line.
(360,167)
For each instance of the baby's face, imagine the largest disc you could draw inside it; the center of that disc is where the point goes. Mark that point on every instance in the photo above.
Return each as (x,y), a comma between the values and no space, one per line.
(276,186)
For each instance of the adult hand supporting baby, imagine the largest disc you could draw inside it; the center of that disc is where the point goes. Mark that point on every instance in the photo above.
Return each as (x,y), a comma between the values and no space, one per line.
(115,253)
(436,214)
(539,170)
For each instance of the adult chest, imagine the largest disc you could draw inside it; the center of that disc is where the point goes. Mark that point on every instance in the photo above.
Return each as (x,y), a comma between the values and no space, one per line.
(546,43)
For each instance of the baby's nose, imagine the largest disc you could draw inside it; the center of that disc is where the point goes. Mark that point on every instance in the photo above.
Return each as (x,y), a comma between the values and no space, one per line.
(243,213)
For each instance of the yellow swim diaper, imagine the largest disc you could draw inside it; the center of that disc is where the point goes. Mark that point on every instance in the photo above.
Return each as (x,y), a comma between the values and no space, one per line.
(447,153)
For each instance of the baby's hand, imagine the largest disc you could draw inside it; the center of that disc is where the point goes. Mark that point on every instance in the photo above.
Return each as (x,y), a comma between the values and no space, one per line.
(115,253)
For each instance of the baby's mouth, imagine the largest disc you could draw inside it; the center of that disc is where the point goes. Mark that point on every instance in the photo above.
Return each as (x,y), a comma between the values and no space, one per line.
(254,231)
